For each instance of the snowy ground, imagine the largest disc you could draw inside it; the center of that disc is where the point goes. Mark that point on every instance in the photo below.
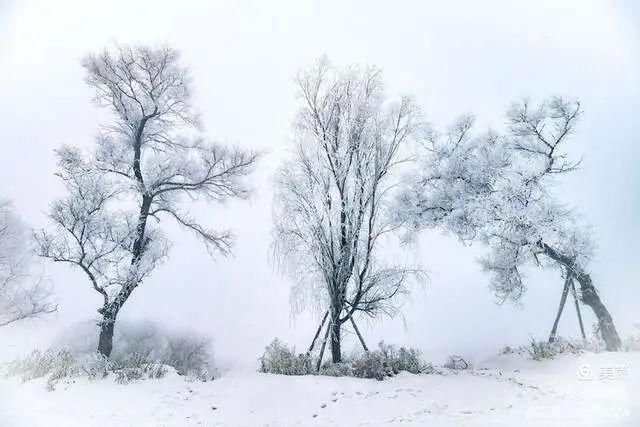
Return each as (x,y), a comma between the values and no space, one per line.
(589,390)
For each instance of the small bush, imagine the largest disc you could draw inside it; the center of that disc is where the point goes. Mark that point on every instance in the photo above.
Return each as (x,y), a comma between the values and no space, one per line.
(509,350)
(35,365)
(137,366)
(279,359)
(386,361)
(189,355)
(410,360)
(140,351)
(56,365)
(372,364)
(94,365)
(403,359)
(456,363)
(341,369)
(541,350)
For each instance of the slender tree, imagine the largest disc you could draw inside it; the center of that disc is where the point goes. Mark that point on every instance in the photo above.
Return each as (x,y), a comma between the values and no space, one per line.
(21,295)
(497,189)
(331,197)
(146,163)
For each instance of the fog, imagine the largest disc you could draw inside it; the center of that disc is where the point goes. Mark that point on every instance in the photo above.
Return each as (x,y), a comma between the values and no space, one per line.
(454,57)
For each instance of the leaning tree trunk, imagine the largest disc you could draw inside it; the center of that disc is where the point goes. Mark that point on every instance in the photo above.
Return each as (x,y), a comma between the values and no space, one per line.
(590,297)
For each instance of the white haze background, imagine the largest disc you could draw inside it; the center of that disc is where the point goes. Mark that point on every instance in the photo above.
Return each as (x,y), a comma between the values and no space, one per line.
(455,57)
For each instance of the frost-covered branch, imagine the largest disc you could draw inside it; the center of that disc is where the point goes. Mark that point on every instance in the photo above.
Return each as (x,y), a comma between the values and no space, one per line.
(21,295)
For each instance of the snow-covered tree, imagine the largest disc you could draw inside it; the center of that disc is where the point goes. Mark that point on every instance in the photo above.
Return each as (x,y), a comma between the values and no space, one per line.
(498,189)
(148,161)
(331,195)
(21,295)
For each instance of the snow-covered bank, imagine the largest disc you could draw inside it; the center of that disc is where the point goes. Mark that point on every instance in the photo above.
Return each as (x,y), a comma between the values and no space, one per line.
(509,390)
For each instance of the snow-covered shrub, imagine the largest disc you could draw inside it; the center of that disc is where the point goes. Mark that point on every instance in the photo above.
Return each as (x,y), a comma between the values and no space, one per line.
(386,361)
(410,360)
(540,350)
(136,366)
(141,351)
(56,365)
(507,349)
(341,369)
(52,364)
(403,359)
(94,365)
(188,353)
(456,363)
(389,356)
(35,365)
(280,359)
(64,365)
(371,364)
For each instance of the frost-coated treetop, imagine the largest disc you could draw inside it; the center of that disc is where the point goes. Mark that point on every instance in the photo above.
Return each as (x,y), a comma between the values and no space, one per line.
(331,196)
(497,189)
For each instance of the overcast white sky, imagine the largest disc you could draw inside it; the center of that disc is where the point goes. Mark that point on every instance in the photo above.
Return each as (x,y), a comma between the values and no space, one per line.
(454,56)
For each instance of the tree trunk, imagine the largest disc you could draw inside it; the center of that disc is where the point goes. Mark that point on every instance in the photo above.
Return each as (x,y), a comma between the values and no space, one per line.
(105,340)
(563,300)
(590,297)
(110,311)
(336,355)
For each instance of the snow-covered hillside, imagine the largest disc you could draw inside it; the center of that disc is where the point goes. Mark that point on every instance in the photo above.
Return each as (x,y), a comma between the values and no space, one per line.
(508,390)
